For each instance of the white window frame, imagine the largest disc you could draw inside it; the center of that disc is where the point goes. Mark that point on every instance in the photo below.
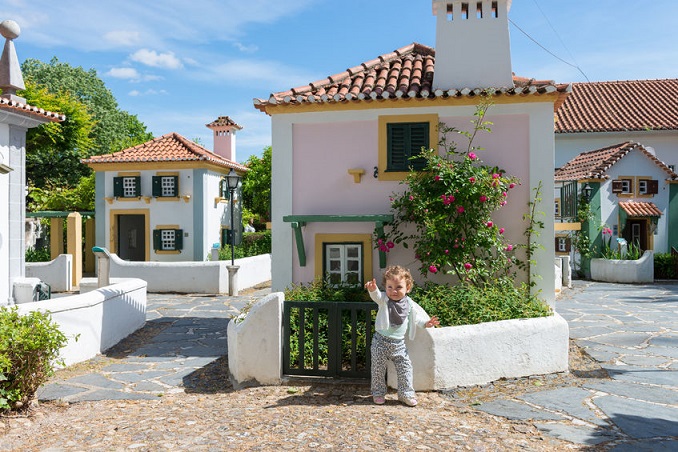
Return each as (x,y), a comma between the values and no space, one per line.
(343,259)
(129,187)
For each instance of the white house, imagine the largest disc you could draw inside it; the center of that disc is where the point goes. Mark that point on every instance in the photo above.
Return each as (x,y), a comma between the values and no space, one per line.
(332,167)
(632,193)
(16,118)
(600,114)
(166,199)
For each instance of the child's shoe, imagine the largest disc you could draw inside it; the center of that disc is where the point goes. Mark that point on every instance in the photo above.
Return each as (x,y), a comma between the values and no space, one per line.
(409,401)
(379,400)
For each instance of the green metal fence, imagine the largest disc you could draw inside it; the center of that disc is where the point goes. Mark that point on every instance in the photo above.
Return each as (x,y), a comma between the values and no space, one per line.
(327,338)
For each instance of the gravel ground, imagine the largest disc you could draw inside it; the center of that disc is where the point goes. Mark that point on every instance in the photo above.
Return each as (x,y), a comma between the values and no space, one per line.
(303,415)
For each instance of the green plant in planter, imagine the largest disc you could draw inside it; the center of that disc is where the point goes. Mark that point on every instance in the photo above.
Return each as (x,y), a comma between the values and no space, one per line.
(29,350)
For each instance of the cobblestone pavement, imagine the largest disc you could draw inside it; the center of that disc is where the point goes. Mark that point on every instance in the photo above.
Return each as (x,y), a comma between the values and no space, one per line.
(627,402)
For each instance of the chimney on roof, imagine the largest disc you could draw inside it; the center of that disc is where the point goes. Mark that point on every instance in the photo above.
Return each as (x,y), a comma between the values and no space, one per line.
(224,136)
(11,79)
(472,44)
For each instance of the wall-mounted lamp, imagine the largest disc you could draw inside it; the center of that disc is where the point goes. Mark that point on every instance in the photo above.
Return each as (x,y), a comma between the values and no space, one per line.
(4,169)
(587,191)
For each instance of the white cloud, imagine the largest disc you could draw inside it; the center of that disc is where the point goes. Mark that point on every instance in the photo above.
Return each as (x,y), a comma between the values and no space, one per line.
(128,73)
(123,37)
(245,49)
(148,92)
(152,58)
(273,74)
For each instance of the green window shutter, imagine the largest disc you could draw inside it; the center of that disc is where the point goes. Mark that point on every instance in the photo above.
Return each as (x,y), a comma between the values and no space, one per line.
(157,243)
(224,237)
(176,185)
(117,187)
(157,186)
(397,147)
(223,189)
(405,140)
(179,239)
(419,134)
(137,186)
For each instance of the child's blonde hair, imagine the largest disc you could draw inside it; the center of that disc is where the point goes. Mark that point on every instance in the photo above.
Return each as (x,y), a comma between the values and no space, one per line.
(397,271)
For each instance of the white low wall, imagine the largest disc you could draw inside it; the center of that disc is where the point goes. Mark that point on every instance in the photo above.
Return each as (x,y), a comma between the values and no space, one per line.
(255,343)
(624,271)
(100,318)
(441,357)
(58,273)
(189,277)
(478,354)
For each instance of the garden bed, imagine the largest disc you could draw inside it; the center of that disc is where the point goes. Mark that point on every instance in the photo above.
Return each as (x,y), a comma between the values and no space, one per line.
(624,271)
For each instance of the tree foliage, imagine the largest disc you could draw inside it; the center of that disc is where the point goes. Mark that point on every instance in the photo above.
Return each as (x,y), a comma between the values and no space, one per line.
(114,129)
(54,149)
(256,185)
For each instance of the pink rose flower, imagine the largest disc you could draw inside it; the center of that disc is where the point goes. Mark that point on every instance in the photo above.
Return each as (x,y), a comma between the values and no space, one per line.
(472,155)
(511,185)
(472,179)
(489,224)
(437,178)
(483,198)
(390,244)
(433,269)
(501,230)
(460,209)
(509,247)
(495,176)
(468,266)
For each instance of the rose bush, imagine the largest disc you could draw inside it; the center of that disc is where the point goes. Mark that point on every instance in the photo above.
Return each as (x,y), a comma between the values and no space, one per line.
(450,205)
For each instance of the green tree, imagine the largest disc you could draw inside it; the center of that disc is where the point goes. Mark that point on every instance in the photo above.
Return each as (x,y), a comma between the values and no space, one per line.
(114,129)
(54,149)
(256,185)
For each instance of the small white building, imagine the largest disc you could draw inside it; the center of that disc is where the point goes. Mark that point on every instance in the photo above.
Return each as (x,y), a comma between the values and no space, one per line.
(15,119)
(166,200)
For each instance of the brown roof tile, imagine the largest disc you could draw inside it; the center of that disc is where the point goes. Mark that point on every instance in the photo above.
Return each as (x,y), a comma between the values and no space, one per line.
(633,105)
(170,147)
(640,209)
(404,73)
(223,121)
(30,110)
(594,164)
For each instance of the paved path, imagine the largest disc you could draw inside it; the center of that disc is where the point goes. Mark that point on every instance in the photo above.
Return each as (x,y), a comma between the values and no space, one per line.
(632,330)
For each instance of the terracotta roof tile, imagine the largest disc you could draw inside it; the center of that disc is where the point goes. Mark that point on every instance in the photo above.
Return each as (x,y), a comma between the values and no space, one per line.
(640,209)
(170,147)
(633,105)
(594,164)
(30,110)
(223,121)
(406,72)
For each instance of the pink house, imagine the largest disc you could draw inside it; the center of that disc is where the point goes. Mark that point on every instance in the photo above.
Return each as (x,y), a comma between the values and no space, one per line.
(334,166)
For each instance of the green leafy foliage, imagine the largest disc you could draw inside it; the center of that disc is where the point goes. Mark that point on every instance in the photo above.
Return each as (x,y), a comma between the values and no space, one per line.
(320,290)
(79,198)
(38,255)
(54,149)
(665,266)
(450,203)
(29,350)
(253,244)
(467,304)
(256,185)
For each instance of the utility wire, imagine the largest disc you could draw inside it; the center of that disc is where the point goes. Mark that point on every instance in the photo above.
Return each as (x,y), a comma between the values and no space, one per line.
(548,51)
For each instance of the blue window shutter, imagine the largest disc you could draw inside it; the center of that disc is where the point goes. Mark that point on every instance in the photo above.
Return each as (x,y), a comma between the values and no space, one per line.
(137,186)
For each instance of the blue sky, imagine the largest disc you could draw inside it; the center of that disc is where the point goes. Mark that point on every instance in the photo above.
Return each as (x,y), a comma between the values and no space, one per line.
(180,64)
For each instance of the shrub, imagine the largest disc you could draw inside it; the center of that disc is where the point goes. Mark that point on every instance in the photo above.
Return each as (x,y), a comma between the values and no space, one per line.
(665,266)
(253,244)
(29,348)
(38,255)
(466,304)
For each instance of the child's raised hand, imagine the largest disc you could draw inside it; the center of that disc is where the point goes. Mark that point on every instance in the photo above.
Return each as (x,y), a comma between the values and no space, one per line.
(371,286)
(433,322)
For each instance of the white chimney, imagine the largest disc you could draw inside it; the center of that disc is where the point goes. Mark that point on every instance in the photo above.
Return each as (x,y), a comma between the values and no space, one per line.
(473,48)
(224,129)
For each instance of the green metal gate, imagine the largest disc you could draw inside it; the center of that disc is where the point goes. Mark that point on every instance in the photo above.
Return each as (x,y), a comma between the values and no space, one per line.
(327,338)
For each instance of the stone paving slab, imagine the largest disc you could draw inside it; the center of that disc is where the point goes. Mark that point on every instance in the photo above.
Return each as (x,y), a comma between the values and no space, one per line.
(653,394)
(511,409)
(567,400)
(638,419)
(578,434)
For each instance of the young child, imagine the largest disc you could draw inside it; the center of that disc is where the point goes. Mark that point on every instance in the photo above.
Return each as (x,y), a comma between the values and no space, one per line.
(398,314)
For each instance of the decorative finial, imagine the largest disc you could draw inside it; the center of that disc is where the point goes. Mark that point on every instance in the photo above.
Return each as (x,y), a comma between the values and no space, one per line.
(11,79)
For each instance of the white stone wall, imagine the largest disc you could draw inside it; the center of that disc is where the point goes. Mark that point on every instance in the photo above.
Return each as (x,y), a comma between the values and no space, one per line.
(95,321)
